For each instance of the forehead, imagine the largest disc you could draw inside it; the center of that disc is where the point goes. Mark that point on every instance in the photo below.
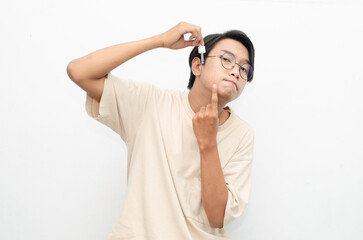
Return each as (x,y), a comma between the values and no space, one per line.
(233,46)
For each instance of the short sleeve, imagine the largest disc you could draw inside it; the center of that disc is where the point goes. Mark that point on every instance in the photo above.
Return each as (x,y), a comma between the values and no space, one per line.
(122,107)
(237,175)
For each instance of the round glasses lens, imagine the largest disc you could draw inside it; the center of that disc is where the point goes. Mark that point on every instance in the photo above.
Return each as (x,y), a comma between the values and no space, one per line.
(246,71)
(228,60)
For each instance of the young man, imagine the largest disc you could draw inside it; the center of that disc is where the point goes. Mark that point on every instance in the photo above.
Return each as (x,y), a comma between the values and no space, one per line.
(189,156)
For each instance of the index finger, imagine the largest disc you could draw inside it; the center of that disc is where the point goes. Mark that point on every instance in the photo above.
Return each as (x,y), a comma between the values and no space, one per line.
(197,37)
(202,41)
(214,97)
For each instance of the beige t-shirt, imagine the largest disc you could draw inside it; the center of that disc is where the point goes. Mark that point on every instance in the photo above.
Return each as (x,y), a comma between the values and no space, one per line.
(163,197)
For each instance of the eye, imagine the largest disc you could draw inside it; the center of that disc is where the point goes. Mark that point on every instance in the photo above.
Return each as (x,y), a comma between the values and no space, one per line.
(244,69)
(226,59)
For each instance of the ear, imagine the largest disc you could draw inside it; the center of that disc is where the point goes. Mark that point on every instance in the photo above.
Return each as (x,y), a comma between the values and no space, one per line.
(196,66)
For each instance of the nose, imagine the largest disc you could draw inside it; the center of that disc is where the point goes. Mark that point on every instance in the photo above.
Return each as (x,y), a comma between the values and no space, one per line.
(235,71)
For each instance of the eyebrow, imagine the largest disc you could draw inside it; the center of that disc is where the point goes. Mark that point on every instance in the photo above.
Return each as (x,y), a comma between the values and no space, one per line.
(226,51)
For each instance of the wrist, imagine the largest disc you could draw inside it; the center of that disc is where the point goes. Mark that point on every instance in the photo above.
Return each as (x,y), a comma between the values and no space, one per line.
(159,40)
(206,146)
(156,41)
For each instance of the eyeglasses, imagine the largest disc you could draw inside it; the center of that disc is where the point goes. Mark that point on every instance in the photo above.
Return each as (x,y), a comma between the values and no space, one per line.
(228,61)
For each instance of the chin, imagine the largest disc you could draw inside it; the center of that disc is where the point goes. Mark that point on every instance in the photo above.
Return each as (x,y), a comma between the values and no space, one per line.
(228,96)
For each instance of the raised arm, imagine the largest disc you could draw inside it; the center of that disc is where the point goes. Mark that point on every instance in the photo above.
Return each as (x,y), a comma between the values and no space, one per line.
(89,72)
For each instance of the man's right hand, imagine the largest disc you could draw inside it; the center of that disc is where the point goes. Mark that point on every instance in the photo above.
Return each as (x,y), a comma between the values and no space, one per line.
(174,38)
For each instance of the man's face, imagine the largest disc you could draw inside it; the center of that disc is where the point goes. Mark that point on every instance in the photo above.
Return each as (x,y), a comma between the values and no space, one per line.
(229,81)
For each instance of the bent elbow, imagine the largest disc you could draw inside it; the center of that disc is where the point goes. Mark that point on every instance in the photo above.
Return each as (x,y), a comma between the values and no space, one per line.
(71,71)
(217,223)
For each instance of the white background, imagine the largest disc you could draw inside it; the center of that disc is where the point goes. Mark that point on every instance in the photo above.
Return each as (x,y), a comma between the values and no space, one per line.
(62,174)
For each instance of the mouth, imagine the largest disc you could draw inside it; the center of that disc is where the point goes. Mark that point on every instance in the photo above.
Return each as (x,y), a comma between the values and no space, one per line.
(235,84)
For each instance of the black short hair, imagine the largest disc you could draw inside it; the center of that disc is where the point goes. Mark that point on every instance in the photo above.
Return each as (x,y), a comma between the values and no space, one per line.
(212,39)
